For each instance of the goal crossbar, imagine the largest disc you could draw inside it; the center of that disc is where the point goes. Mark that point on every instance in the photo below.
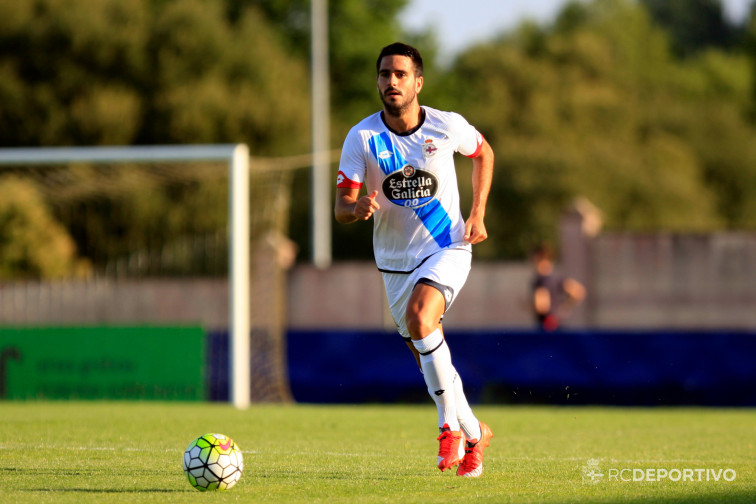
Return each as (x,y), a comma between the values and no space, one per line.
(237,156)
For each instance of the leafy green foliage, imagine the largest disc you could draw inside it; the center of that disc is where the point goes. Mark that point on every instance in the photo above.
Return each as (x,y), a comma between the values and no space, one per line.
(692,24)
(31,241)
(600,107)
(92,72)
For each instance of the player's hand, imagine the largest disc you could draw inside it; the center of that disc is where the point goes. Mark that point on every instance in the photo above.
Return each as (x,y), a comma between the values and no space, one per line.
(475,231)
(366,206)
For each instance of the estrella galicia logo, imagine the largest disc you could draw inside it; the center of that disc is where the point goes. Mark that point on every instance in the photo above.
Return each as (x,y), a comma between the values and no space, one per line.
(410,187)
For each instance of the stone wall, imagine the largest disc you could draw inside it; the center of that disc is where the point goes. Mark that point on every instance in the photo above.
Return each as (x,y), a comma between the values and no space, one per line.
(673,281)
(351,295)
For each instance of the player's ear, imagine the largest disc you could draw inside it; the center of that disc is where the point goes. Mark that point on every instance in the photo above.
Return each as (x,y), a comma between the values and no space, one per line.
(418,84)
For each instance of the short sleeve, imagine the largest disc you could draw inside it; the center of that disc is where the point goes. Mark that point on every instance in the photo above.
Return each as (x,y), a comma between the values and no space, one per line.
(469,140)
(352,165)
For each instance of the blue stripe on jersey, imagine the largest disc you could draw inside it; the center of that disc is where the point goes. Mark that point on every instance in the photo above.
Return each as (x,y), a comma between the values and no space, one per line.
(389,158)
(432,215)
(437,222)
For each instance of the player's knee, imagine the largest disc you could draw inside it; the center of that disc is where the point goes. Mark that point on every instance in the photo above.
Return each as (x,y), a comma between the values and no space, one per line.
(420,325)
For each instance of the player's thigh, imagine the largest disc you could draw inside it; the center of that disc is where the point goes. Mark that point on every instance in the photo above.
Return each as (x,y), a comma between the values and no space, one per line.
(427,304)
(417,308)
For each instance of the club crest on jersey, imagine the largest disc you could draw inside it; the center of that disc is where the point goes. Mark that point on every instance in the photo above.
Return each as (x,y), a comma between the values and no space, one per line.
(429,148)
(410,187)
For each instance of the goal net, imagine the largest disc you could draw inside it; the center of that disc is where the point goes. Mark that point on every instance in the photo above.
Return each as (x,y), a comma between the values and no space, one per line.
(154,235)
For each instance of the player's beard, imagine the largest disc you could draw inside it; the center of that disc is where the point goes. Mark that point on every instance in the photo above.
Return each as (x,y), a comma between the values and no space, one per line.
(396,108)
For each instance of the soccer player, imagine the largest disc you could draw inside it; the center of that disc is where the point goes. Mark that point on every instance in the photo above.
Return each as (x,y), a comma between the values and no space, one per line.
(403,155)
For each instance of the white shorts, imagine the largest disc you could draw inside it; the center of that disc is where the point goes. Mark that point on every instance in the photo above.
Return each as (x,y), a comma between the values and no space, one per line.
(446,270)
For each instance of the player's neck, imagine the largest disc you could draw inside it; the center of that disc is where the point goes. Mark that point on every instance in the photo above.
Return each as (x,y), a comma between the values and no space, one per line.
(406,121)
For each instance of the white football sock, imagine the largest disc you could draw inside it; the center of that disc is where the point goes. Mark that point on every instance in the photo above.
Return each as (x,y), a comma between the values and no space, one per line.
(438,372)
(467,420)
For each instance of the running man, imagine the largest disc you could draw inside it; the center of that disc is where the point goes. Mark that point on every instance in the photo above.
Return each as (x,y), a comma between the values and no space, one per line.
(403,156)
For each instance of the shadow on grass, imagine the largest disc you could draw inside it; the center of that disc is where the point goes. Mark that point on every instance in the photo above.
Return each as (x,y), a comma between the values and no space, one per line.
(76,472)
(71,472)
(326,475)
(740,496)
(105,490)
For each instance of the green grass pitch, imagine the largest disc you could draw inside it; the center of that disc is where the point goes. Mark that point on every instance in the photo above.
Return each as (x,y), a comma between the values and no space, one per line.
(103,452)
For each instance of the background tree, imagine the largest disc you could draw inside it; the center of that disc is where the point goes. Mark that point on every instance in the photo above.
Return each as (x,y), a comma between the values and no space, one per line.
(32,242)
(597,106)
(70,71)
(93,72)
(693,25)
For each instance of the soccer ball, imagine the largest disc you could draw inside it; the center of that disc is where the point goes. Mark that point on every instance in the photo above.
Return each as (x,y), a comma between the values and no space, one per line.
(213,462)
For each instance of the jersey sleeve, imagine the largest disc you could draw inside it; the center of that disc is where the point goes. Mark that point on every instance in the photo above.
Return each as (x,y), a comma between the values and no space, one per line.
(469,140)
(353,165)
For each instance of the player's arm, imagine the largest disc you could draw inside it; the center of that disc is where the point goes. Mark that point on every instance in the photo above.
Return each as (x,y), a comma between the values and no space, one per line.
(574,290)
(541,300)
(482,175)
(351,208)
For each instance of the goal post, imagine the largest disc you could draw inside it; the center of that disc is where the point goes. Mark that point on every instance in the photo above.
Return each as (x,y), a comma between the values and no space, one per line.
(237,156)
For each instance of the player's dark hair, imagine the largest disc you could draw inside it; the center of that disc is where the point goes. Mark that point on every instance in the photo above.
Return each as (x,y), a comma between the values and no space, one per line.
(400,49)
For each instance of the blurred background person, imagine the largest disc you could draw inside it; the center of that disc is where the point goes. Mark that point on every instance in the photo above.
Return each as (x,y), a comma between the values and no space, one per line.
(553,295)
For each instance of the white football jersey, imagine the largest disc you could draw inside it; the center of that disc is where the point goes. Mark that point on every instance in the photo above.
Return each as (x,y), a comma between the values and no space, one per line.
(416,180)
